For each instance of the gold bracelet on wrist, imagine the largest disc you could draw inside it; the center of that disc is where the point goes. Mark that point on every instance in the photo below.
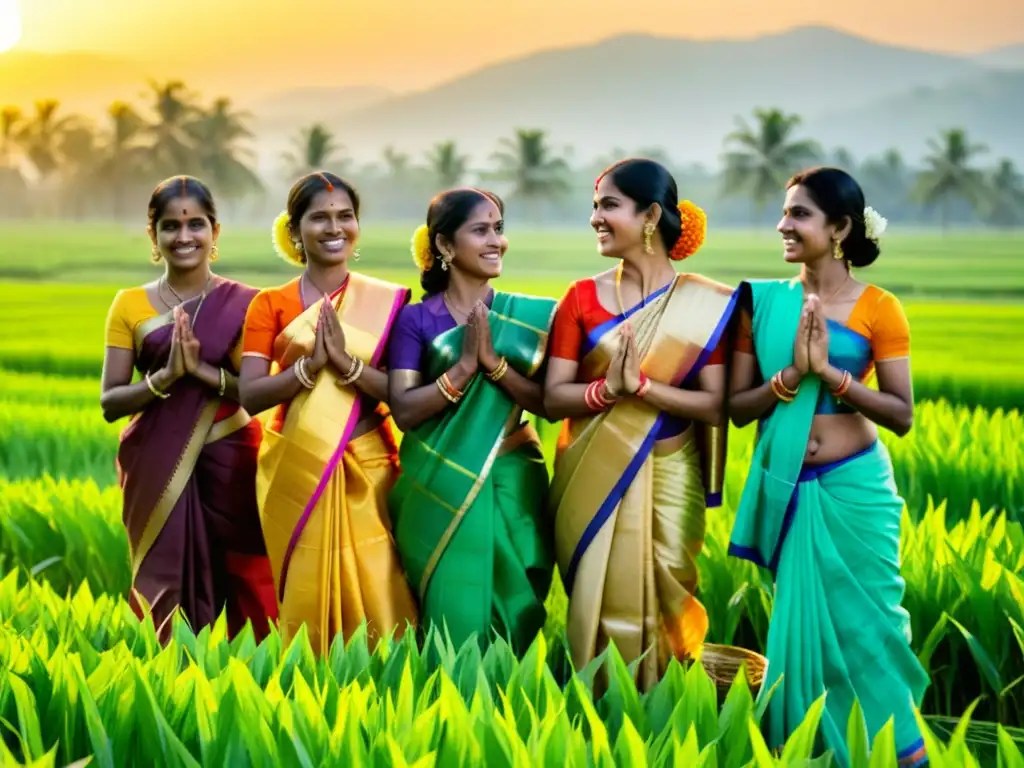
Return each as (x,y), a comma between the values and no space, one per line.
(302,374)
(499,370)
(354,372)
(156,392)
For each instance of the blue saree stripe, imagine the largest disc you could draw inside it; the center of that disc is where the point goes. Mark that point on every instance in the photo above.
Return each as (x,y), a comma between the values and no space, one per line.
(609,504)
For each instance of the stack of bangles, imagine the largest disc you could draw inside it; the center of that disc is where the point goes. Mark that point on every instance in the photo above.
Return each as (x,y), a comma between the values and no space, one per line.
(302,373)
(844,384)
(499,370)
(597,398)
(451,394)
(354,372)
(784,393)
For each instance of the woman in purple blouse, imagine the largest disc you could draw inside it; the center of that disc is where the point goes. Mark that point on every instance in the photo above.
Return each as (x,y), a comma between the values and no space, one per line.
(468,506)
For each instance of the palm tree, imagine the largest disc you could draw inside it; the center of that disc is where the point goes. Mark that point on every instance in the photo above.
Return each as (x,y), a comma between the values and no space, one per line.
(79,152)
(219,132)
(124,155)
(949,175)
(530,166)
(1005,199)
(10,123)
(446,164)
(172,132)
(42,136)
(314,149)
(765,156)
(885,180)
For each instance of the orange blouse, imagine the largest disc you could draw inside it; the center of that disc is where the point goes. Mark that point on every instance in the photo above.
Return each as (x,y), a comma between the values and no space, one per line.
(877,315)
(269,314)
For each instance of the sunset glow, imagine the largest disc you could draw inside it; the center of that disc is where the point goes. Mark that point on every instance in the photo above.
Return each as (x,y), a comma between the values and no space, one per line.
(10,24)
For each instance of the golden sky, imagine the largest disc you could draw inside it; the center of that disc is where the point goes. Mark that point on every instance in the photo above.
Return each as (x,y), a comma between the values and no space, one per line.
(405,44)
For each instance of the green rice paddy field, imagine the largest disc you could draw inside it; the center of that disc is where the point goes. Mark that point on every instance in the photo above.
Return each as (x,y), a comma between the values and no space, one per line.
(83,678)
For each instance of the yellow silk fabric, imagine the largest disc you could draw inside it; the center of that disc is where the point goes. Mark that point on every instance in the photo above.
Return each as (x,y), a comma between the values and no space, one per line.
(636,583)
(671,333)
(344,568)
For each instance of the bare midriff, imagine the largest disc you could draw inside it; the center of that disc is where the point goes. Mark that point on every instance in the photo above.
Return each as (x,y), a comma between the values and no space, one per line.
(836,436)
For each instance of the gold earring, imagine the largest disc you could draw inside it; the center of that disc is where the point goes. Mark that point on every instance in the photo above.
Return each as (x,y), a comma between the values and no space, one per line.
(298,245)
(355,255)
(214,253)
(446,259)
(837,250)
(154,255)
(648,234)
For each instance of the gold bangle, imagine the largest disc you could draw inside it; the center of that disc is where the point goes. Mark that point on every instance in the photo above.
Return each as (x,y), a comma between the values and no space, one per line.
(156,392)
(223,383)
(444,391)
(782,385)
(301,374)
(499,370)
(354,372)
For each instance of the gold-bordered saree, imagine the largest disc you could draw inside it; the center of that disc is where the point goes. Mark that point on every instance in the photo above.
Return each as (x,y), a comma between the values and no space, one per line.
(187,466)
(629,504)
(322,492)
(469,508)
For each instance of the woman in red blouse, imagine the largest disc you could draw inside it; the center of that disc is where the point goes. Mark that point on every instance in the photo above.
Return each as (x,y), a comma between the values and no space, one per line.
(636,370)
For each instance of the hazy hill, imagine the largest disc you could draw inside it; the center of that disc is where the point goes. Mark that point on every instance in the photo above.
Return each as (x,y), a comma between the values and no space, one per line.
(1010,57)
(990,107)
(630,91)
(640,90)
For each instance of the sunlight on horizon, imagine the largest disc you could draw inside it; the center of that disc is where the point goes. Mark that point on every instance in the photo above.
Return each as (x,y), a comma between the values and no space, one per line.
(10,24)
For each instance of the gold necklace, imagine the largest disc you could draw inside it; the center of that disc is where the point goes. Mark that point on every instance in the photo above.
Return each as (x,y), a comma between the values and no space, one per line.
(618,290)
(836,291)
(452,308)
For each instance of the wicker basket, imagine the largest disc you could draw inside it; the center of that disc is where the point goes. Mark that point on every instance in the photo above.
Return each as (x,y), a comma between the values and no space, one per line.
(722,663)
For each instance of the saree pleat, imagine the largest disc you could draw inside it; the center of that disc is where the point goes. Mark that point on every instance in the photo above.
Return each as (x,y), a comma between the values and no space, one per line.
(322,492)
(830,534)
(630,503)
(469,507)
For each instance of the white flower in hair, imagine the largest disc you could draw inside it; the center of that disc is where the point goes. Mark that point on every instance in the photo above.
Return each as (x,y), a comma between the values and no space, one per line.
(874,223)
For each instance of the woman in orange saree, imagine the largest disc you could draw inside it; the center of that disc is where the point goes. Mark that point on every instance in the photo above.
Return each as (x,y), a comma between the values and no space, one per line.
(187,459)
(312,352)
(641,453)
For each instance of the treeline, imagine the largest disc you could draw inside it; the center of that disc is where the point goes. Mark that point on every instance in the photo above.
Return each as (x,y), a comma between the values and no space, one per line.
(54,164)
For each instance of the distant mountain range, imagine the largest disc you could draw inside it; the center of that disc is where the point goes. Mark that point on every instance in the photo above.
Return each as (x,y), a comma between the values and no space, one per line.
(641,91)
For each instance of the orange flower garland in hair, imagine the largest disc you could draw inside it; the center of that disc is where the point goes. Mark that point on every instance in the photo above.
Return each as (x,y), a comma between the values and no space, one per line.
(694,228)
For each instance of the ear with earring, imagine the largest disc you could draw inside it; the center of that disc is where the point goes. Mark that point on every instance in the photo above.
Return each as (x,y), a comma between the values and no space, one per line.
(837,249)
(154,255)
(355,255)
(214,253)
(648,236)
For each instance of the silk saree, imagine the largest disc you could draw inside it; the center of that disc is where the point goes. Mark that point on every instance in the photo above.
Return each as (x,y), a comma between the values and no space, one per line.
(469,505)
(830,536)
(187,470)
(631,487)
(322,489)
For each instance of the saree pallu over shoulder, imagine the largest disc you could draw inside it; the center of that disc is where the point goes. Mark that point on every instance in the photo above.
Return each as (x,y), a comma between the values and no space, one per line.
(628,504)
(461,472)
(309,473)
(604,452)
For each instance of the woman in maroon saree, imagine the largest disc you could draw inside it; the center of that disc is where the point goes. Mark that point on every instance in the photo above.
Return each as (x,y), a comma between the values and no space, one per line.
(187,459)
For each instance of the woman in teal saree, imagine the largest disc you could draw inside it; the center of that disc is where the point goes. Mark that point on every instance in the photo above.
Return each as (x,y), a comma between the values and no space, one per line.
(468,506)
(820,508)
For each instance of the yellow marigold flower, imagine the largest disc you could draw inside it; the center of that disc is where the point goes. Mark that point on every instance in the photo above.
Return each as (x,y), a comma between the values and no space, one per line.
(421,253)
(695,228)
(282,239)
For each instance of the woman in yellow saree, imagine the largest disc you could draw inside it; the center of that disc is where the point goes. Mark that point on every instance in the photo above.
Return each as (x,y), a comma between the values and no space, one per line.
(641,452)
(312,350)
